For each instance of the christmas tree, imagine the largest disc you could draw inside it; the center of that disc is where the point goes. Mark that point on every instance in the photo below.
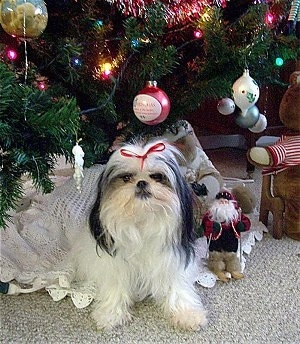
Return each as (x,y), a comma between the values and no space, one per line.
(76,78)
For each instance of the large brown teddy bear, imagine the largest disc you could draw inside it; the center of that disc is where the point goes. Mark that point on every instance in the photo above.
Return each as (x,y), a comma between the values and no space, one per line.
(282,159)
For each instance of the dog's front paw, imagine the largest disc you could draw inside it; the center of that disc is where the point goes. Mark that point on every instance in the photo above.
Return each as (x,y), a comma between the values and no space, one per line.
(107,321)
(190,319)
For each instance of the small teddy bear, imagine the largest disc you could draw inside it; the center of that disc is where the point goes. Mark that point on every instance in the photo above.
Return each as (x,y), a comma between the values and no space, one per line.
(282,159)
(222,225)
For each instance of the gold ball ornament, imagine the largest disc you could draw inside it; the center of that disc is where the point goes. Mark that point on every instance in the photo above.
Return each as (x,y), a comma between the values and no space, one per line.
(23,18)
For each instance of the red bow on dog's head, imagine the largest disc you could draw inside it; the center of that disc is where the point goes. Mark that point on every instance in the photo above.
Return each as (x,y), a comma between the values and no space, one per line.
(158,147)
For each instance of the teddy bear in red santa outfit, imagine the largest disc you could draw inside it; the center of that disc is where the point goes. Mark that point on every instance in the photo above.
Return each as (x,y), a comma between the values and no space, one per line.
(281,160)
(222,225)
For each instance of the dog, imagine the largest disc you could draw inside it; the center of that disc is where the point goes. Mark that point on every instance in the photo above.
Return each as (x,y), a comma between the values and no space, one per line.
(140,240)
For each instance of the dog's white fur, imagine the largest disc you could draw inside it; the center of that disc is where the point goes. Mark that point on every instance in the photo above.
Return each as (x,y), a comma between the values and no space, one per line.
(134,247)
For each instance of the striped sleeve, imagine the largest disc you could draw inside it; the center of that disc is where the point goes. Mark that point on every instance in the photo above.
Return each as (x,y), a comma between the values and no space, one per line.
(294,11)
(285,153)
(278,153)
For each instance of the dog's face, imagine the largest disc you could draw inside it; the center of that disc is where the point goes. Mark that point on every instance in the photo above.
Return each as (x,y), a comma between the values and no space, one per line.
(142,187)
(142,176)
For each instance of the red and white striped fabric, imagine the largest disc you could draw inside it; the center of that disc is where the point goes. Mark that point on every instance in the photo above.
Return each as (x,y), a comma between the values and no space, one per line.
(295,11)
(285,153)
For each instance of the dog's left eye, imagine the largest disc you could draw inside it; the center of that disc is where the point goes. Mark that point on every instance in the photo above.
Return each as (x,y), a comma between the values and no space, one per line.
(126,178)
(158,177)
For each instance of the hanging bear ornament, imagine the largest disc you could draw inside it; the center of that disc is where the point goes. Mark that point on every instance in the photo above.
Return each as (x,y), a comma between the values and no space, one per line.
(245,92)
(151,105)
(23,18)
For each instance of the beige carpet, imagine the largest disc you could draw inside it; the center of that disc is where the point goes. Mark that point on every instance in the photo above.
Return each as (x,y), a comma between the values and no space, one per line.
(262,308)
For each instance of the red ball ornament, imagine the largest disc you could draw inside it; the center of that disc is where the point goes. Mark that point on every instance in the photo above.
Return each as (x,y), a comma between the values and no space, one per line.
(151,105)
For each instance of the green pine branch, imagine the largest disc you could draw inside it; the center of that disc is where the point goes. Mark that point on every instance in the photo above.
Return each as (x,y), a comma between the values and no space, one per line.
(35,129)
(36,126)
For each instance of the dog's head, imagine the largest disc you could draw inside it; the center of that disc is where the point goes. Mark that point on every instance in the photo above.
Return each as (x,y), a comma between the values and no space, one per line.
(142,186)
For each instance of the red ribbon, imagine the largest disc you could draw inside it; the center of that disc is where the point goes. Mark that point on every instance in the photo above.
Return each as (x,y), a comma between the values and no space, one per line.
(158,147)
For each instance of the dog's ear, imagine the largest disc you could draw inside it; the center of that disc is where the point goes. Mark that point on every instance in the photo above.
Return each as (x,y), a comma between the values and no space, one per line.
(185,195)
(96,227)
(188,231)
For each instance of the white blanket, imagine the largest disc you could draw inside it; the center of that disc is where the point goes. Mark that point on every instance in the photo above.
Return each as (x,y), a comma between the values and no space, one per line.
(35,243)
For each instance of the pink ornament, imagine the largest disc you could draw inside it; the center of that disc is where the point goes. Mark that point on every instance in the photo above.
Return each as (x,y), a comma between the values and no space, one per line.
(151,105)
(226,106)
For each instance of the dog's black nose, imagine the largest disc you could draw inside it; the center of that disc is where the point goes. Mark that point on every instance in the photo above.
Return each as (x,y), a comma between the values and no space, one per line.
(142,184)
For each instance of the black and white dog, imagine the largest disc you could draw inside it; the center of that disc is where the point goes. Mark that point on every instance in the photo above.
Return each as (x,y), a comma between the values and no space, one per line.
(140,238)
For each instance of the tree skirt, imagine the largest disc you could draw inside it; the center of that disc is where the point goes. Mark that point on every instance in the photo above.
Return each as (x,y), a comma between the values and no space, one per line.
(43,228)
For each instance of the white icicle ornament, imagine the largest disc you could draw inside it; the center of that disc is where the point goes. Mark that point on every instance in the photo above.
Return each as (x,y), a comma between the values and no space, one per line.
(245,92)
(78,166)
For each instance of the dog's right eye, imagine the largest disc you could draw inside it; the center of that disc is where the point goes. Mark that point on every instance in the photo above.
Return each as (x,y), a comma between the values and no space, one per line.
(158,177)
(126,178)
